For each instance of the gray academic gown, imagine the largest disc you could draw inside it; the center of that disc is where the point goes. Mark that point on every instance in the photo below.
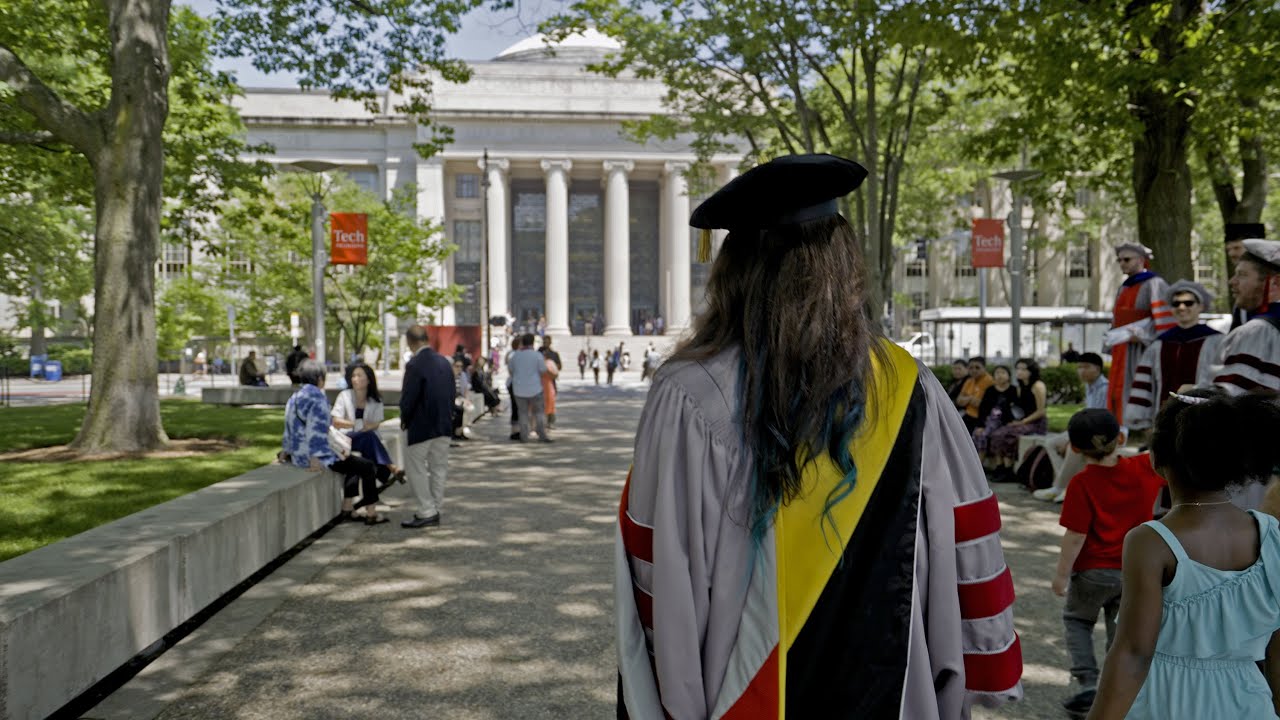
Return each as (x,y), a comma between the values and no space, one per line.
(1250,358)
(699,604)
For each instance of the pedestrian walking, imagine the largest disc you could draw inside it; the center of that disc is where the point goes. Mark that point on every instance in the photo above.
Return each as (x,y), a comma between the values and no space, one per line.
(788,533)
(1201,605)
(527,368)
(582,363)
(1110,497)
(426,407)
(595,365)
(549,389)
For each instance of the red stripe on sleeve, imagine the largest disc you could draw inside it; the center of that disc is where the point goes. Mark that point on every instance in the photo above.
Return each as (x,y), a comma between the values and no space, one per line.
(637,539)
(978,519)
(996,672)
(986,598)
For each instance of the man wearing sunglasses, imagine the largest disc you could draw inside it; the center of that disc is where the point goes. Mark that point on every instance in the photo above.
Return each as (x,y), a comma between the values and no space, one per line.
(1184,355)
(1141,313)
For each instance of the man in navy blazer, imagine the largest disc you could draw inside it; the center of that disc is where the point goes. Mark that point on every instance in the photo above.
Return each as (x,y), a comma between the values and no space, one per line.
(426,404)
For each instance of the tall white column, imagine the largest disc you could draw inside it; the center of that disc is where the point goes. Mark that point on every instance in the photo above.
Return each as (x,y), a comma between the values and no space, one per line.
(557,303)
(725,174)
(676,240)
(431,201)
(617,248)
(498,238)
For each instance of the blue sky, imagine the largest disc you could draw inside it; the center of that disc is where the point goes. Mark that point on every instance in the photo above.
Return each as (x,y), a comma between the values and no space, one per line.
(484,34)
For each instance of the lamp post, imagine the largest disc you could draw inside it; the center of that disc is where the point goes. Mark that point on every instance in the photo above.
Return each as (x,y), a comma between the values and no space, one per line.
(484,253)
(1015,251)
(319,258)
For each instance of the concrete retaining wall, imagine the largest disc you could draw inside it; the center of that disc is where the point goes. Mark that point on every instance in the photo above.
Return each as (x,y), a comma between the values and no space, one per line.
(74,611)
(274,395)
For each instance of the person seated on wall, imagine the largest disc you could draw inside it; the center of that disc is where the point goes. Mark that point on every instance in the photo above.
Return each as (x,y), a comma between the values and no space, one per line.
(1028,415)
(994,412)
(251,372)
(482,382)
(461,403)
(357,412)
(959,374)
(310,441)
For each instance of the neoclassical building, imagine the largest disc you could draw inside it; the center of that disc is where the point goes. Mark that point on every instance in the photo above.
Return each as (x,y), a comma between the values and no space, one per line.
(581,221)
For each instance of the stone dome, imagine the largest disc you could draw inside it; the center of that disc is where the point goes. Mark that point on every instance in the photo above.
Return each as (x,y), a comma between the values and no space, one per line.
(591,45)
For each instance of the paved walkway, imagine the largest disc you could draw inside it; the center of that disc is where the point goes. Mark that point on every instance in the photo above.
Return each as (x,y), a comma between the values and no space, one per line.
(502,612)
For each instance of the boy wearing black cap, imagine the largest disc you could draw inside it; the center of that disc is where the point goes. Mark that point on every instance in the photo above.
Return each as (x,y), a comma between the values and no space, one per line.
(1110,497)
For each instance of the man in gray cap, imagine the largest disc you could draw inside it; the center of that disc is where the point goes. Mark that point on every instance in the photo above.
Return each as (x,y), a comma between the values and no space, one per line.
(1141,312)
(1185,355)
(1251,352)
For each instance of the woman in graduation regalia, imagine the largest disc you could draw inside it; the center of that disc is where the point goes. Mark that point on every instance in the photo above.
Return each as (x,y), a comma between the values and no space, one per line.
(1185,355)
(806,530)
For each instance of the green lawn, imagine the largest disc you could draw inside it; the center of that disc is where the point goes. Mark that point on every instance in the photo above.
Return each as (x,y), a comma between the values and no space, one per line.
(1059,415)
(46,502)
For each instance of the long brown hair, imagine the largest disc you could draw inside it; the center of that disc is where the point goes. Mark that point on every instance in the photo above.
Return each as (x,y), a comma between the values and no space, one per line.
(794,300)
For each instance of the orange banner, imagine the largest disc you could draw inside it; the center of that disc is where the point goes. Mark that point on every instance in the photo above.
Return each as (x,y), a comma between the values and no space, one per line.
(348,239)
(987,249)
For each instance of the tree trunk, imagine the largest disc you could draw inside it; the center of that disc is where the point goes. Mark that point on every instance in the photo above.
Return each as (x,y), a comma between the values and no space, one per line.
(879,258)
(1162,184)
(124,404)
(1161,173)
(39,345)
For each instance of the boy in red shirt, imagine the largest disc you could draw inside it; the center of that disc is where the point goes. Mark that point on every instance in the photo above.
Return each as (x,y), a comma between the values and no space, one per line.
(1108,498)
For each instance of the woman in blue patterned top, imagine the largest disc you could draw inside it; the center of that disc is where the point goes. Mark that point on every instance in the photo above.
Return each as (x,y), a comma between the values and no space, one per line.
(306,445)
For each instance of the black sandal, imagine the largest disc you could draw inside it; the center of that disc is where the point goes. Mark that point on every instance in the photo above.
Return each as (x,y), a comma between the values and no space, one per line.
(376,519)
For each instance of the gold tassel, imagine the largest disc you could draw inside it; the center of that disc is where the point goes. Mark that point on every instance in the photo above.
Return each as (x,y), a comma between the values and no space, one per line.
(704,246)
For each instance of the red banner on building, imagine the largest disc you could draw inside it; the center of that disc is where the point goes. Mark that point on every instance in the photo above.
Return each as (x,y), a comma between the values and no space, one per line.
(987,249)
(348,239)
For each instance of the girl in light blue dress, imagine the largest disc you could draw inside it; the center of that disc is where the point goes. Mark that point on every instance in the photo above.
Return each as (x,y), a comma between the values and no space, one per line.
(1201,603)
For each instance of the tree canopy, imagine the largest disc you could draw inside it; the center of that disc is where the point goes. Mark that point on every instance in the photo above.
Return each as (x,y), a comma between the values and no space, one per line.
(110,99)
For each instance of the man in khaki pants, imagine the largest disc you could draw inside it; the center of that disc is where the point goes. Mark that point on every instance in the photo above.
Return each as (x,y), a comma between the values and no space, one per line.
(426,404)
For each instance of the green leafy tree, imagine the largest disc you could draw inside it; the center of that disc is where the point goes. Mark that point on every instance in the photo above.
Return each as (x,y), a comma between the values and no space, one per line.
(272,232)
(1125,93)
(840,77)
(189,307)
(95,76)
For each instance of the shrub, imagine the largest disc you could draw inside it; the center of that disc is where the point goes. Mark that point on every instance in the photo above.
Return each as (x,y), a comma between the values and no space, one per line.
(1062,384)
(75,361)
(943,373)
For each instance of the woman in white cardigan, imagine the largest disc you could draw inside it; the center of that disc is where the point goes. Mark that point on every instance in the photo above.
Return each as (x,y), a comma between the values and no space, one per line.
(359,411)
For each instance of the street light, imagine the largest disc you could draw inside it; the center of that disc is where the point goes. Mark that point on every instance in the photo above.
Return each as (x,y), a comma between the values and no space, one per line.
(1015,251)
(484,254)
(319,257)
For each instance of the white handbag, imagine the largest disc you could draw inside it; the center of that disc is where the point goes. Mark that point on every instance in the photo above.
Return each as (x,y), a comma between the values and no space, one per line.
(339,442)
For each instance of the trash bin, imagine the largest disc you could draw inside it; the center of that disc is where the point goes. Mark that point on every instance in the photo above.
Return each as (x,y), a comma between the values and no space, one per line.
(37,365)
(53,370)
